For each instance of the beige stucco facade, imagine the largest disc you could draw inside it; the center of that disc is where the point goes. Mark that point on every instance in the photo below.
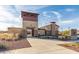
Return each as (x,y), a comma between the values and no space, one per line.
(51,29)
(30,24)
(41,32)
(14,30)
(55,28)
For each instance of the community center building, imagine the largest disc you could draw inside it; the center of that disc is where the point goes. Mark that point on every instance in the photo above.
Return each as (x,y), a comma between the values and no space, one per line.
(30,24)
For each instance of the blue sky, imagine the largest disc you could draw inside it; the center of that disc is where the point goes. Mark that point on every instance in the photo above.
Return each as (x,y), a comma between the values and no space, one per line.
(66,16)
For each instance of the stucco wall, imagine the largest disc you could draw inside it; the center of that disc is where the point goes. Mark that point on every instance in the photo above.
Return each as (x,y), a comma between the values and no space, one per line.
(41,32)
(30,24)
(52,26)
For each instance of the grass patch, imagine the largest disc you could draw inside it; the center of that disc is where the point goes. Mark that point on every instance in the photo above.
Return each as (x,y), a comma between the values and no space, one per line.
(72,46)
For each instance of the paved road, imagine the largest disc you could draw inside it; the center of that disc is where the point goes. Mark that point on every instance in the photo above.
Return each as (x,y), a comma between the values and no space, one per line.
(42,46)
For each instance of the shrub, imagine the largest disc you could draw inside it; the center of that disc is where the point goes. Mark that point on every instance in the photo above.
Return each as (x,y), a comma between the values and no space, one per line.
(2,47)
(22,34)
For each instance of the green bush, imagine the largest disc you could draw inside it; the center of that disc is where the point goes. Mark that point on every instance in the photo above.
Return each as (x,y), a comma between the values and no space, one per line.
(3,47)
(23,34)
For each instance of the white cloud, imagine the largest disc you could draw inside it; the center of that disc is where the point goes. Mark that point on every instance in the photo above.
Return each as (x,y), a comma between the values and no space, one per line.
(31,8)
(45,14)
(6,18)
(70,21)
(70,9)
(58,15)
(3,26)
(5,15)
(55,15)
(9,18)
(67,21)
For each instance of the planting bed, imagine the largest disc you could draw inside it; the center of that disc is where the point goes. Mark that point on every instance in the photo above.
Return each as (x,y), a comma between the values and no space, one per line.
(73,46)
(10,45)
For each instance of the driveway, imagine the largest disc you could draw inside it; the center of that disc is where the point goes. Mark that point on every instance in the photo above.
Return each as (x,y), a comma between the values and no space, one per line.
(43,46)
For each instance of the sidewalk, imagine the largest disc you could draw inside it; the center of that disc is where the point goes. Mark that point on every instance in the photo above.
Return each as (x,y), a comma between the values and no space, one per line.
(42,46)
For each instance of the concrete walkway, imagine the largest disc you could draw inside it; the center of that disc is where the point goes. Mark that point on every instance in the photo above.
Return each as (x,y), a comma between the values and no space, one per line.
(42,46)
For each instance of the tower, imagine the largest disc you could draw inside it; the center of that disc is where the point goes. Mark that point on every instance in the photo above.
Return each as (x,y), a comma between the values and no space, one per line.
(30,22)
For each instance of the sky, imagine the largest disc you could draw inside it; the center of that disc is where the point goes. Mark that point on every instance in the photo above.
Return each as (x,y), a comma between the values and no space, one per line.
(66,16)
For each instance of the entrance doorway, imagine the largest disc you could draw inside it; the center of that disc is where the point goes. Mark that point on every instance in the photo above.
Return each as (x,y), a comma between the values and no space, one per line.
(30,32)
